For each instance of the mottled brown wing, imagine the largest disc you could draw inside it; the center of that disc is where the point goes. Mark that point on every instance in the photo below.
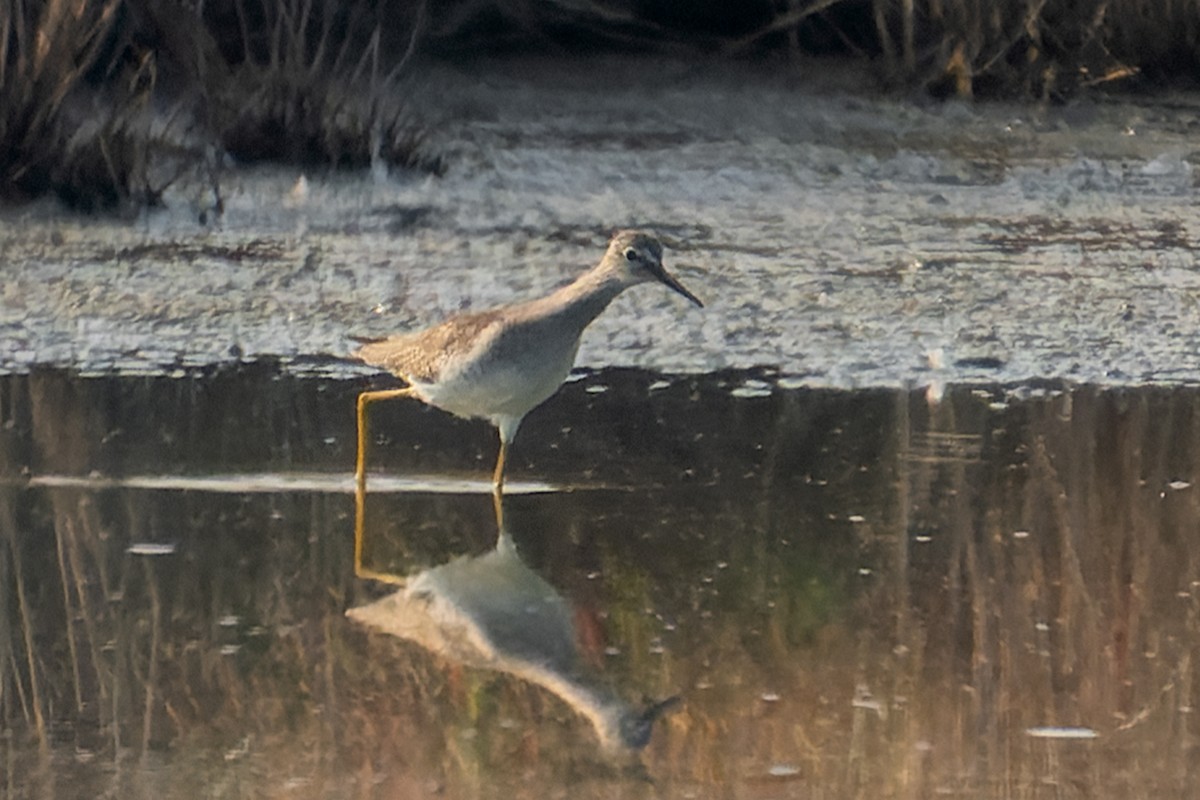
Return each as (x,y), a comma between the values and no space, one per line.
(421,356)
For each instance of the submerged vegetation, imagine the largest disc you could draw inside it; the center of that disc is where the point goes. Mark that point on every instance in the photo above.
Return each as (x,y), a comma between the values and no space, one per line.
(323,82)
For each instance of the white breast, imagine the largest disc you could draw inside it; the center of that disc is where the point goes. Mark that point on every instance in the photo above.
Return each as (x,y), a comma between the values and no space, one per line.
(504,390)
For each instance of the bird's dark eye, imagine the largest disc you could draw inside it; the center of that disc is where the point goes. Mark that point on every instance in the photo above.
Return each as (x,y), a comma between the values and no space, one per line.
(631,254)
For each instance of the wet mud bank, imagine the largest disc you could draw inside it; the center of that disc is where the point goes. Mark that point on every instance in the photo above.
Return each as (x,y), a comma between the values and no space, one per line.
(841,237)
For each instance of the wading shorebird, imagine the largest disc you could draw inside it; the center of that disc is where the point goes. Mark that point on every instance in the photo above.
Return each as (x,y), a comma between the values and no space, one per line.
(502,363)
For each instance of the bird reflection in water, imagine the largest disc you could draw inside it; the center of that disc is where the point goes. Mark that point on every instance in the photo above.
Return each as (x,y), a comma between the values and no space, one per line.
(491,611)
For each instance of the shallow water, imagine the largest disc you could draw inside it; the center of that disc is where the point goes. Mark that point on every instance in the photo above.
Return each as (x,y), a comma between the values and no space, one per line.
(853,593)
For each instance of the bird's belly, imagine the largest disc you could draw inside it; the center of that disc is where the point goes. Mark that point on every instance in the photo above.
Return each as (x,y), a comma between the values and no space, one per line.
(496,392)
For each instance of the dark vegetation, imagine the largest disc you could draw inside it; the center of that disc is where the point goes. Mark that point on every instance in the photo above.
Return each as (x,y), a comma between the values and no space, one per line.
(107,102)
(314,82)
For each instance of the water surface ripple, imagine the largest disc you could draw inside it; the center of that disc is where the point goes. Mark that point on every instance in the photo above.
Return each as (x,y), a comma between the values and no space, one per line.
(852,593)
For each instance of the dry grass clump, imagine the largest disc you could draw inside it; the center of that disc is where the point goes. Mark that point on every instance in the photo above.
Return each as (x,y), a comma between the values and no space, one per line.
(319,82)
(1045,49)
(299,81)
(308,83)
(47,48)
(1033,48)
(304,123)
(112,166)
(320,122)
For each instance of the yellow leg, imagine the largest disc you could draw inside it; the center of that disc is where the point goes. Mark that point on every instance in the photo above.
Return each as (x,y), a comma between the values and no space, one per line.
(360,480)
(498,475)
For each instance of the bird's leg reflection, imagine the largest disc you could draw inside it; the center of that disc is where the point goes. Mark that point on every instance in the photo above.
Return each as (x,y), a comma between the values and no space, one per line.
(498,508)
(360,480)
(498,473)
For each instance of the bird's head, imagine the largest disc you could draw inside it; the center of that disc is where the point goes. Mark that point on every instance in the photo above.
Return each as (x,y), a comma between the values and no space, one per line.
(636,726)
(637,258)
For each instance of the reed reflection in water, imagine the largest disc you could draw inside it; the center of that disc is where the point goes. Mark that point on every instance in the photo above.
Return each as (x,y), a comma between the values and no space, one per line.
(855,593)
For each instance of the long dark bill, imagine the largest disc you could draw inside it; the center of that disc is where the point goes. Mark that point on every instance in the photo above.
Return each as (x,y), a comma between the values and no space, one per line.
(658,271)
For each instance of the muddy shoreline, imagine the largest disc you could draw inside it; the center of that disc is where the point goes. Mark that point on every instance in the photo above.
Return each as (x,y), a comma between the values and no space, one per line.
(839,237)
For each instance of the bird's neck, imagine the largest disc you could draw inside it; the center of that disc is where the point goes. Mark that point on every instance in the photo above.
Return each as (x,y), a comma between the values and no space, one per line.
(583,300)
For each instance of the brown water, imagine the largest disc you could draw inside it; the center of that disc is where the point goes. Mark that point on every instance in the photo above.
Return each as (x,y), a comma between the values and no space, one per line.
(854,594)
